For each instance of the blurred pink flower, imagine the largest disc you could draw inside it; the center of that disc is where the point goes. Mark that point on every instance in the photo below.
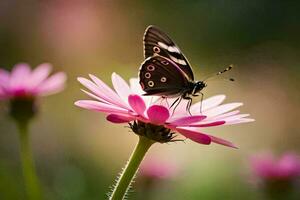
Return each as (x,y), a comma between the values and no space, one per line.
(24,82)
(127,104)
(267,168)
(158,169)
(73,28)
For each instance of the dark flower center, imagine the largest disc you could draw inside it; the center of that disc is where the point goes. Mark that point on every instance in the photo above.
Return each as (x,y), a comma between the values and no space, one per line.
(281,189)
(154,132)
(22,109)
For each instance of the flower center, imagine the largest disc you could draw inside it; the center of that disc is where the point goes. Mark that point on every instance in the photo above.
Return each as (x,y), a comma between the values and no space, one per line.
(154,132)
(22,109)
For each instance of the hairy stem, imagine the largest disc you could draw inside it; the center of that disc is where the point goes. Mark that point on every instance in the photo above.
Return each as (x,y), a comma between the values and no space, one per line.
(131,168)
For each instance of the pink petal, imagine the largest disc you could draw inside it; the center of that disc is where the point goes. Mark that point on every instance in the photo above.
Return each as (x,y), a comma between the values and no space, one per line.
(99,92)
(239,121)
(19,76)
(99,106)
(95,96)
(117,118)
(208,103)
(288,160)
(221,109)
(137,104)
(217,123)
(2,93)
(121,87)
(195,136)
(263,166)
(53,84)
(289,165)
(185,121)
(135,86)
(222,141)
(4,78)
(38,75)
(235,117)
(158,168)
(158,114)
(228,114)
(180,110)
(108,92)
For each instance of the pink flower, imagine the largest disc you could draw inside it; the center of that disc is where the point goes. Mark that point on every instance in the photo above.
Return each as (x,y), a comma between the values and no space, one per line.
(267,168)
(158,169)
(126,103)
(24,82)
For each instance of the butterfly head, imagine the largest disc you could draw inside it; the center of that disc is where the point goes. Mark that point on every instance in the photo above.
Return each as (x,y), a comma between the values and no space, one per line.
(198,86)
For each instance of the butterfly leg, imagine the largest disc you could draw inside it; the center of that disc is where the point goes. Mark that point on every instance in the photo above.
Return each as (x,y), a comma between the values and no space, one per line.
(177,102)
(189,104)
(202,95)
(166,99)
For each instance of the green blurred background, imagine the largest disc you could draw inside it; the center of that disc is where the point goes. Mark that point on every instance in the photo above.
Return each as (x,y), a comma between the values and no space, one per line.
(78,153)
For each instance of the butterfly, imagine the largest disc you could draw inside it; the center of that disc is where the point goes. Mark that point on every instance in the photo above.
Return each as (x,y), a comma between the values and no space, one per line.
(166,72)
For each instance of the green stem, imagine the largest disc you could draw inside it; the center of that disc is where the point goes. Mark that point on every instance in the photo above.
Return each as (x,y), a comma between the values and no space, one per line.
(31,180)
(131,168)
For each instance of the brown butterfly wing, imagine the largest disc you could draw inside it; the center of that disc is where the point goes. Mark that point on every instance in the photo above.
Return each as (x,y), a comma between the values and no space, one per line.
(156,42)
(161,76)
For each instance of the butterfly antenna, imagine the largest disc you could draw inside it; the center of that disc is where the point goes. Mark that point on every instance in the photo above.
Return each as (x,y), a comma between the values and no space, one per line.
(225,70)
(219,73)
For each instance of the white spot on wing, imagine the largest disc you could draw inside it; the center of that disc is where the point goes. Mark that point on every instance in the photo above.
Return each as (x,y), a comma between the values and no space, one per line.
(173,49)
(163,45)
(150,68)
(169,48)
(164,62)
(147,75)
(179,61)
(150,83)
(163,79)
(156,49)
